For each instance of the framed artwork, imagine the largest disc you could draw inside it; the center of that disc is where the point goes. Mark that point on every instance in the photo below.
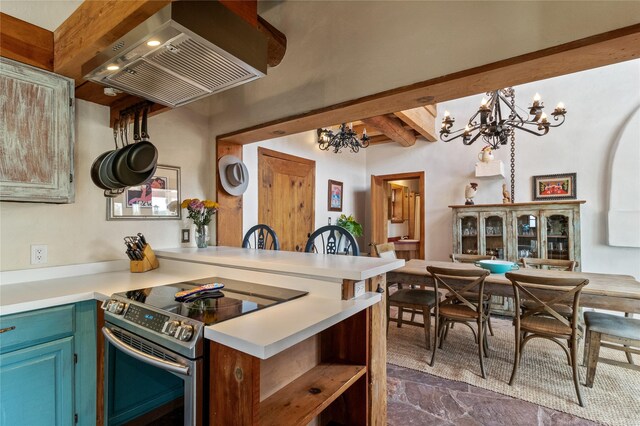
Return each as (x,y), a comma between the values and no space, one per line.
(335,196)
(554,187)
(157,198)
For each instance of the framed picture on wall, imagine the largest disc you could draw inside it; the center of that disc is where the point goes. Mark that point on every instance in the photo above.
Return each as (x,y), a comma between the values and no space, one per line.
(335,196)
(157,198)
(554,187)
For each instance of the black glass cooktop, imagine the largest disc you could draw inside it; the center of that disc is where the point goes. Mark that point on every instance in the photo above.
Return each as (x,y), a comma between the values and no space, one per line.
(235,299)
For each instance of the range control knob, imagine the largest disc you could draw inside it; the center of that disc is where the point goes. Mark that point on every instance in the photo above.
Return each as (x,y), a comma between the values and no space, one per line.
(170,327)
(184,332)
(115,307)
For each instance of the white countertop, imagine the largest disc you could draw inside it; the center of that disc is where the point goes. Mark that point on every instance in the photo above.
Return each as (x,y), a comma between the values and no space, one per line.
(261,334)
(269,331)
(30,295)
(355,268)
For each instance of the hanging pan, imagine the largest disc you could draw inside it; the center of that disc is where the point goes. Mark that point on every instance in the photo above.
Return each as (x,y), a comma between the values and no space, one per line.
(143,155)
(119,168)
(98,178)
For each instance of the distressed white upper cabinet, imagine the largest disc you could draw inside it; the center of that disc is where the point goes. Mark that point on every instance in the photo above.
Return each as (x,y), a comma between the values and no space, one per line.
(37,131)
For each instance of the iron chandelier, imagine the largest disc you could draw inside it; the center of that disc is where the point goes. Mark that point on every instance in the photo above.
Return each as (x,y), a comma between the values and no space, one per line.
(495,128)
(344,138)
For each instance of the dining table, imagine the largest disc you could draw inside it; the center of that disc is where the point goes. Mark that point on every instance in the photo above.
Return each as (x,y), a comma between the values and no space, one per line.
(613,292)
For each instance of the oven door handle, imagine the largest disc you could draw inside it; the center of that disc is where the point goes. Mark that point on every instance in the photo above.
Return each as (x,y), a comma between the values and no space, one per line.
(172,367)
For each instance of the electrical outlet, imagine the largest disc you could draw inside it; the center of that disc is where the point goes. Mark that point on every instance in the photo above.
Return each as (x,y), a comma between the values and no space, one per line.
(38,254)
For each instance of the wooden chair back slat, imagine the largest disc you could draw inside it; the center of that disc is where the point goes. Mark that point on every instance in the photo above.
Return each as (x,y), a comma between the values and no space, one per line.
(469,258)
(556,264)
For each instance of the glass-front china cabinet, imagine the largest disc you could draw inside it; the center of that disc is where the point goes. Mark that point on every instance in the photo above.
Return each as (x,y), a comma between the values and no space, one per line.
(547,230)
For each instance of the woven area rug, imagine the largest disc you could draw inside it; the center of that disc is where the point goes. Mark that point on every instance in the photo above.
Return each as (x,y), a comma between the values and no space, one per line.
(544,377)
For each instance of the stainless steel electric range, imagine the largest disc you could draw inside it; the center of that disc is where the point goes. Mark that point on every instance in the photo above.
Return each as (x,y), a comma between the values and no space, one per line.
(159,331)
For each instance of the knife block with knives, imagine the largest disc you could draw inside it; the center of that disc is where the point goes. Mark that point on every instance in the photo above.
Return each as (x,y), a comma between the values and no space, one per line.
(142,257)
(148,262)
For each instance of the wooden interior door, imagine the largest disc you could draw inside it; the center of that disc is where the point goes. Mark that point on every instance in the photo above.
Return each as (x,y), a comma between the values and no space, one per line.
(286,197)
(379,211)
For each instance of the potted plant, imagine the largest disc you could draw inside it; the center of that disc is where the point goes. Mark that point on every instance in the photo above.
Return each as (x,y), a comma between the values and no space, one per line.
(350,224)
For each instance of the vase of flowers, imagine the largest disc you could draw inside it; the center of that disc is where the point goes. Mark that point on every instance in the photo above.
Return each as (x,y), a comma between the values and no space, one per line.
(200,211)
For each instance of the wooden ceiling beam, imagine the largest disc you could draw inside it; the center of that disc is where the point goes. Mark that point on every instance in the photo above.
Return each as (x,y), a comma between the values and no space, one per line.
(25,42)
(392,128)
(421,120)
(603,49)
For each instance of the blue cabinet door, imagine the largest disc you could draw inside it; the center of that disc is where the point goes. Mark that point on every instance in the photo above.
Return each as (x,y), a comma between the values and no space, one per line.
(36,386)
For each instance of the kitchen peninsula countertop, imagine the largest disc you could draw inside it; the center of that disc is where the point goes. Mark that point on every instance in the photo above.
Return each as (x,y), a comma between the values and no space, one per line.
(261,334)
(287,262)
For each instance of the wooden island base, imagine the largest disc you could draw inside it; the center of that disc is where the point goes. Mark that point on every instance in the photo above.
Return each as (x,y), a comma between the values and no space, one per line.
(336,377)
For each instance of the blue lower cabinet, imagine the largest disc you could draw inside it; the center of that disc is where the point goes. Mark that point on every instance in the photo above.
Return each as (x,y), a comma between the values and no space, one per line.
(48,366)
(36,385)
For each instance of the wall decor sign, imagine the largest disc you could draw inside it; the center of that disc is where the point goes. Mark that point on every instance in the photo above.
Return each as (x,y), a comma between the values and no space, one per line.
(157,198)
(554,187)
(335,196)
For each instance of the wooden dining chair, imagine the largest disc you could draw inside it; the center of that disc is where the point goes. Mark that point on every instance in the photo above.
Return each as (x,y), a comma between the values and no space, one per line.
(458,308)
(613,332)
(555,264)
(332,239)
(550,264)
(542,319)
(473,258)
(414,300)
(261,237)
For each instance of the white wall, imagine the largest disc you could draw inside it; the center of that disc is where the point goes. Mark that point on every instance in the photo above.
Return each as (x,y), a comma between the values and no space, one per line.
(598,102)
(347,167)
(79,232)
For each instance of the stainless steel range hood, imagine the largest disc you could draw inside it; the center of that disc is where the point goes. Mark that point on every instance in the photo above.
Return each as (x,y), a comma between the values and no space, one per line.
(187,50)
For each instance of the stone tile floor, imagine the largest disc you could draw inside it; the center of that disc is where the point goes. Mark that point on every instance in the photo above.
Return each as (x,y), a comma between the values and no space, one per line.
(416,398)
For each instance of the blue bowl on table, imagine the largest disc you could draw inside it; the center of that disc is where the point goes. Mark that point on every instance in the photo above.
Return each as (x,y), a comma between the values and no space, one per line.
(497,266)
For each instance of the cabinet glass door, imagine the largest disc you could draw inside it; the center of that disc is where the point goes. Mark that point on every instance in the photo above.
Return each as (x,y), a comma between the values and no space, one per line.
(469,234)
(528,236)
(559,245)
(494,236)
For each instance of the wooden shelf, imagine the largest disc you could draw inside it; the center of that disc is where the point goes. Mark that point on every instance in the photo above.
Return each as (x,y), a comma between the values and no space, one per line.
(304,398)
(556,236)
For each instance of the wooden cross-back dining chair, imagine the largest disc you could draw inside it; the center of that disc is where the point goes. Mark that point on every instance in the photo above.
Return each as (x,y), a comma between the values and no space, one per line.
(543,320)
(416,300)
(473,258)
(458,308)
(261,237)
(551,264)
(332,239)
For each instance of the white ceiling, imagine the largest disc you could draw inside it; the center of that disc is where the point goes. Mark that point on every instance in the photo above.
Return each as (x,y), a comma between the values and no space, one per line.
(48,14)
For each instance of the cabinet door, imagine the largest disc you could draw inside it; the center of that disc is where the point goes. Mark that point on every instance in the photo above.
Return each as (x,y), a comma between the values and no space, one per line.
(36,128)
(558,234)
(466,233)
(493,234)
(525,226)
(37,385)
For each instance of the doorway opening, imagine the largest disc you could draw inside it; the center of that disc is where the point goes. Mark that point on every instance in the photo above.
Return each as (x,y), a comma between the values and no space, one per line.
(397,213)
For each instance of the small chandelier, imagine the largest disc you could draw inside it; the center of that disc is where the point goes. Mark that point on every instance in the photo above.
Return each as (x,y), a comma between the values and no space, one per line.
(495,128)
(345,138)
